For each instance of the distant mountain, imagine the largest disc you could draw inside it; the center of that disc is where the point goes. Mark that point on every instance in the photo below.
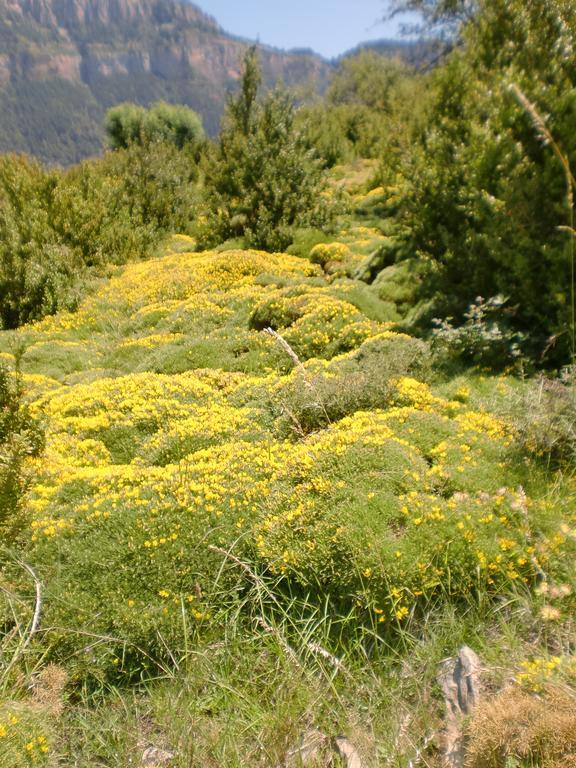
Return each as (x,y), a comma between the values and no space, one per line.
(416,52)
(64,62)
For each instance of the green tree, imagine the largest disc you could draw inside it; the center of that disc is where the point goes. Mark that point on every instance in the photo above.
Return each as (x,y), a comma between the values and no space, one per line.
(36,267)
(261,180)
(441,17)
(367,79)
(485,198)
(128,124)
(369,111)
(59,229)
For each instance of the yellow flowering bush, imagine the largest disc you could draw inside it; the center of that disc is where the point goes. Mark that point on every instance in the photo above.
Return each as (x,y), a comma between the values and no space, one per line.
(323,253)
(24,738)
(182,431)
(395,540)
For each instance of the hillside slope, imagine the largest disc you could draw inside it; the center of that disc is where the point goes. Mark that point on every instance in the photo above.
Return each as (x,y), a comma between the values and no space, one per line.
(212,512)
(63,63)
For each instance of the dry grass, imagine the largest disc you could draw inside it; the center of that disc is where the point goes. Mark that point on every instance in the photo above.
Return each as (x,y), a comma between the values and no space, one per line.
(48,690)
(522,729)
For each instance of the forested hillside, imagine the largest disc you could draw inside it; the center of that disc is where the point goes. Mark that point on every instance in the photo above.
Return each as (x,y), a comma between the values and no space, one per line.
(287,420)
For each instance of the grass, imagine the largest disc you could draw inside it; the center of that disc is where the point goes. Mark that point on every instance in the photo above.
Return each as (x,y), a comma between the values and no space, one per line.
(235,549)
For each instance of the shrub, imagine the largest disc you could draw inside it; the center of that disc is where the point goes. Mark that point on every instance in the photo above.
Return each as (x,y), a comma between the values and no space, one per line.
(261,181)
(175,124)
(60,229)
(484,338)
(323,253)
(37,269)
(484,197)
(321,393)
(20,438)
(545,419)
(358,514)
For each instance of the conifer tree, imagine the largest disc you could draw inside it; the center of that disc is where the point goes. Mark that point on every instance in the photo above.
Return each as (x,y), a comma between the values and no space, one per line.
(261,179)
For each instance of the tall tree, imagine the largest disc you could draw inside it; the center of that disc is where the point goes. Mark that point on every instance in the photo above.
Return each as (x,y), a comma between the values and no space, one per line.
(486,198)
(261,179)
(443,17)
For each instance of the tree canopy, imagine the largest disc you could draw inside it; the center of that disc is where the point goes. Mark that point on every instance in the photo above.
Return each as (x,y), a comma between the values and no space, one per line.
(175,124)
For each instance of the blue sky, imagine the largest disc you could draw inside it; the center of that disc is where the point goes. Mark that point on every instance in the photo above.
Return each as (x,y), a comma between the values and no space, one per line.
(330,27)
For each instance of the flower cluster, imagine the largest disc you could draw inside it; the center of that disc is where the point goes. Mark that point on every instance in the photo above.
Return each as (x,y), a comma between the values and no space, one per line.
(166,444)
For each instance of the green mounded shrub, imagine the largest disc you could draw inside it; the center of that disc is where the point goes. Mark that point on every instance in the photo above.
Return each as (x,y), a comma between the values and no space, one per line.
(360,514)
(283,308)
(400,284)
(324,253)
(305,239)
(135,559)
(322,393)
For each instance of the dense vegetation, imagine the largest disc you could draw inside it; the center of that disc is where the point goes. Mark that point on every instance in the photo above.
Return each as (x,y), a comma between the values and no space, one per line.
(289,416)
(61,230)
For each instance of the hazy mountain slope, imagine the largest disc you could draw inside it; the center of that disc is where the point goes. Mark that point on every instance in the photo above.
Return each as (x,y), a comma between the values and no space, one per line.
(63,62)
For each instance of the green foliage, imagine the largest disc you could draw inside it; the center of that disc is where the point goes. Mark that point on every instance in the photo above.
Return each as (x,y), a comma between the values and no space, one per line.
(37,269)
(175,124)
(261,182)
(59,229)
(545,419)
(367,80)
(341,132)
(483,338)
(372,104)
(318,395)
(27,734)
(20,438)
(443,18)
(484,198)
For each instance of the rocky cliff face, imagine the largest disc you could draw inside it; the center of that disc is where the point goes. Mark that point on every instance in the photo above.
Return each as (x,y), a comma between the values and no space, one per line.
(106,51)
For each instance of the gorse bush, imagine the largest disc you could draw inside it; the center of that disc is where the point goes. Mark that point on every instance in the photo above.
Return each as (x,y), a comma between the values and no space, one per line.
(348,482)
